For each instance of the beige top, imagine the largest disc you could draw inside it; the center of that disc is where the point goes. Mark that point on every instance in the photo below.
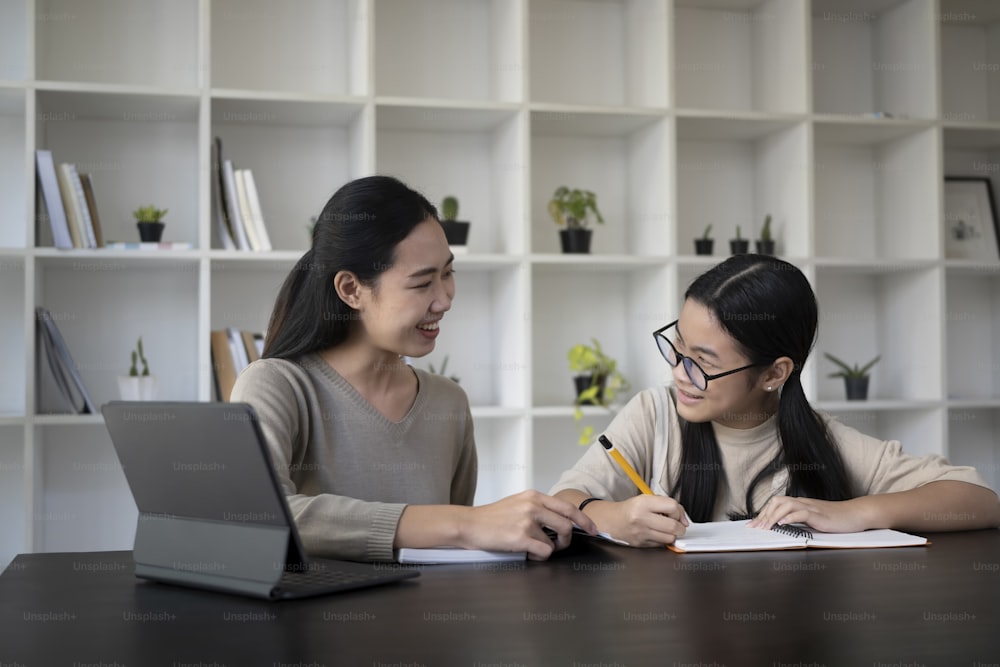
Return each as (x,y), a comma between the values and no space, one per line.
(647,433)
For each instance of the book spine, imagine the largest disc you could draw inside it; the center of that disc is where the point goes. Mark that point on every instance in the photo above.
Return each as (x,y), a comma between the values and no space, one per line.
(88,193)
(256,214)
(49,184)
(245,213)
(230,193)
(81,204)
(69,203)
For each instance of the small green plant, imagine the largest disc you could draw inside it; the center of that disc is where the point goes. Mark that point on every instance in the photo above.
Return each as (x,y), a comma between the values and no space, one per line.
(605,380)
(705,235)
(765,231)
(574,208)
(441,371)
(738,237)
(137,357)
(149,214)
(449,208)
(848,371)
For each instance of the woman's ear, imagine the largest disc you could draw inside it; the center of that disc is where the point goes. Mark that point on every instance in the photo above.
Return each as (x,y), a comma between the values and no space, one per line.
(776,374)
(348,288)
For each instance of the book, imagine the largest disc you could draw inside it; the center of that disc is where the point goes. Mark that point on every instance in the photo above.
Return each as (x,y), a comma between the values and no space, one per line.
(148,245)
(48,184)
(86,223)
(88,193)
(246,215)
(223,369)
(70,205)
(232,206)
(443,555)
(223,225)
(256,214)
(714,536)
(64,372)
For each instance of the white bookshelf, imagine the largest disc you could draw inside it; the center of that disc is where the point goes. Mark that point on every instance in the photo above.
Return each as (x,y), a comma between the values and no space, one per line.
(677,113)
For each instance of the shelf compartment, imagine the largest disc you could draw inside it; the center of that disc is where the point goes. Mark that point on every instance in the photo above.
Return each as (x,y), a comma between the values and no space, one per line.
(152,299)
(892,313)
(13,181)
(454,49)
(972,440)
(483,337)
(87,504)
(872,57)
(624,159)
(300,152)
(12,336)
(599,53)
(736,172)
(620,309)
(139,149)
(877,191)
(555,447)
(970,61)
(738,55)
(14,27)
(12,494)
(475,155)
(319,47)
(972,335)
(118,41)
(921,431)
(501,446)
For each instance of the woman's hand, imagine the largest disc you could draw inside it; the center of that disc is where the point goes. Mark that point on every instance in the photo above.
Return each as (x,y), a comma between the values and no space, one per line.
(642,521)
(828,516)
(516,523)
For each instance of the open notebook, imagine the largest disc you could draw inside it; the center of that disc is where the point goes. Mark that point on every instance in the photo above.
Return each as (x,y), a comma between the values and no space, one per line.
(736,536)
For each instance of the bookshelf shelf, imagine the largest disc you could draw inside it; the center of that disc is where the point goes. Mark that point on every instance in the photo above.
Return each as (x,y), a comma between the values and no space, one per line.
(840,118)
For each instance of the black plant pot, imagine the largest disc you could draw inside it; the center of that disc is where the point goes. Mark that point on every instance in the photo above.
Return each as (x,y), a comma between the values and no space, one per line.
(703,246)
(856,388)
(150,232)
(456,231)
(765,246)
(575,240)
(583,382)
(739,246)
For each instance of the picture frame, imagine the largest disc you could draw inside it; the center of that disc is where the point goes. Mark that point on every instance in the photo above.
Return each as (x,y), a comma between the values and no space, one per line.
(970,221)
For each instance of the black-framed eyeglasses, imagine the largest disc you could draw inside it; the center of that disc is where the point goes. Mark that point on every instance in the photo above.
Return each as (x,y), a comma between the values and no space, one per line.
(699,378)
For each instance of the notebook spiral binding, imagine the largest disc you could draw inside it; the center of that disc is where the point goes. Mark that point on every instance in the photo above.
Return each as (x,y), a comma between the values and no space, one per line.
(794,531)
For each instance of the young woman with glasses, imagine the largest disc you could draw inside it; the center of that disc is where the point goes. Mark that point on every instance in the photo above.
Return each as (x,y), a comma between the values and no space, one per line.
(734,436)
(372,453)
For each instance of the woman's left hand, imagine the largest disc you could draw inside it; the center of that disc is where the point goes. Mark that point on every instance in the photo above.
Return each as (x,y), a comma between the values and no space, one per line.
(828,516)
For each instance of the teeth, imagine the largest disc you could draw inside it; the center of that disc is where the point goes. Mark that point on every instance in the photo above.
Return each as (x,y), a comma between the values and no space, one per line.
(430,326)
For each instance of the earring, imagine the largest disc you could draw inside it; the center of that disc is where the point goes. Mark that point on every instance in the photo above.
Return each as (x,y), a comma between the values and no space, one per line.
(770,388)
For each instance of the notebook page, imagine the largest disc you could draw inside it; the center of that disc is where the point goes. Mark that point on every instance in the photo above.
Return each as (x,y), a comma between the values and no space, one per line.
(733,536)
(883,537)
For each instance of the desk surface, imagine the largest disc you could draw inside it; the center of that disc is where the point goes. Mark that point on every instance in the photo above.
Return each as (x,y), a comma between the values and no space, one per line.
(593,604)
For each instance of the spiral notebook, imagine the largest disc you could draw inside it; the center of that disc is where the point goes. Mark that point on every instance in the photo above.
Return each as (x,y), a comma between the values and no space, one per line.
(737,536)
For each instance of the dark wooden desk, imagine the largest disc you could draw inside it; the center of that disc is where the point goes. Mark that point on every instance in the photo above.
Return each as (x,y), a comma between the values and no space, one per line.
(594,604)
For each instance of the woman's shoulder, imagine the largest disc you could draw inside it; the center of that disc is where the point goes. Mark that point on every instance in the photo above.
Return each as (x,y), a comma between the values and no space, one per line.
(270,375)
(440,387)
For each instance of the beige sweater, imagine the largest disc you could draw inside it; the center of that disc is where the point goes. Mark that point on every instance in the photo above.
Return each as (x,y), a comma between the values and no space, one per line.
(647,433)
(347,471)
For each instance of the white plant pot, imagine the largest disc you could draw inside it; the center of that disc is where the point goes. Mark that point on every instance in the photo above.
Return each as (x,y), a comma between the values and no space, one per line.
(137,388)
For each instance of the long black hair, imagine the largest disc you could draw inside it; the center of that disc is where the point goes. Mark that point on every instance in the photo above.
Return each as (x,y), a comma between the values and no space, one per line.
(767,306)
(357,231)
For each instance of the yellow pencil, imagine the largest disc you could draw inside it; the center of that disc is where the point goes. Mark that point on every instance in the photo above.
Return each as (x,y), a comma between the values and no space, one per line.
(629,470)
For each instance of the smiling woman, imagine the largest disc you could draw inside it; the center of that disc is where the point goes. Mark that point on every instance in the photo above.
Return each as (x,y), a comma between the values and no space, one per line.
(373,454)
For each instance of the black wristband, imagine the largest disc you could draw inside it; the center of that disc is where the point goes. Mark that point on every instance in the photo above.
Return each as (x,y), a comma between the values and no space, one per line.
(586,502)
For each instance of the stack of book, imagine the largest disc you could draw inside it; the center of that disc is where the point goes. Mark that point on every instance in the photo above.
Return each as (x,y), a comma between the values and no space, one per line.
(238,215)
(69,201)
(232,351)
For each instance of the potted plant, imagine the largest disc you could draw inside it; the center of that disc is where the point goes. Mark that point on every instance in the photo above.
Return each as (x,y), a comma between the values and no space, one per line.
(137,385)
(573,210)
(765,244)
(456,231)
(739,245)
(855,377)
(597,380)
(441,371)
(149,220)
(703,245)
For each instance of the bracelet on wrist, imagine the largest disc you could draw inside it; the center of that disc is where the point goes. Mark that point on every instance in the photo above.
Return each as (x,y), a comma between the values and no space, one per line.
(586,502)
